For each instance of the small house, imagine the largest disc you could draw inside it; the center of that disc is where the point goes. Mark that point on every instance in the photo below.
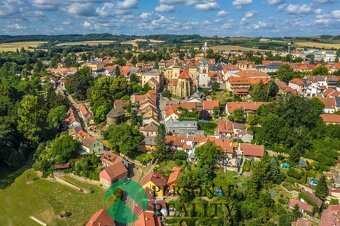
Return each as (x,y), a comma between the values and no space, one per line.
(112,174)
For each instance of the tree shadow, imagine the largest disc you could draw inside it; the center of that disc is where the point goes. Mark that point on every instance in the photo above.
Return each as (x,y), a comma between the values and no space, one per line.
(9,174)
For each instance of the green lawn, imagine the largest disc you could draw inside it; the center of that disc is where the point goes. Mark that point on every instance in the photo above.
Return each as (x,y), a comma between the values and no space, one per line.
(29,196)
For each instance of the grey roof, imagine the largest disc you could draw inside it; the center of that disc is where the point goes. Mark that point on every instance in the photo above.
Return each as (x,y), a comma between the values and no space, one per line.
(239,125)
(116,112)
(181,124)
(149,141)
(216,67)
(337,102)
(244,132)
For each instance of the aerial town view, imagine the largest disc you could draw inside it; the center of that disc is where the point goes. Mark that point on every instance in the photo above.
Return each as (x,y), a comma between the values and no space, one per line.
(169,112)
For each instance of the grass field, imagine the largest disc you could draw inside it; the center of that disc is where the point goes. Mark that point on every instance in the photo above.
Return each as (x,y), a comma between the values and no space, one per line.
(89,43)
(317,45)
(236,48)
(135,41)
(7,47)
(30,195)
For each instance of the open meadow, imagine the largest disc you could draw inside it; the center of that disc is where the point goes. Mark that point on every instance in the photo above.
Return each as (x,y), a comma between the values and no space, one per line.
(13,46)
(317,45)
(30,195)
(234,48)
(89,43)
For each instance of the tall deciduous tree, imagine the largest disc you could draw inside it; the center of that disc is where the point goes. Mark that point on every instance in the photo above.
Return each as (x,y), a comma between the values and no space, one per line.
(285,73)
(32,118)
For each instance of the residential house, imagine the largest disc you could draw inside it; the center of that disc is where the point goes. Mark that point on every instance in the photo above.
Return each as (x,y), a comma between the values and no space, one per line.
(248,107)
(113,173)
(101,218)
(148,144)
(302,222)
(330,216)
(303,206)
(150,129)
(110,158)
(246,136)
(86,114)
(89,143)
(173,177)
(250,151)
(246,65)
(284,89)
(330,93)
(313,197)
(156,182)
(297,84)
(330,118)
(148,218)
(153,78)
(72,119)
(94,65)
(115,116)
(329,103)
(211,105)
(181,127)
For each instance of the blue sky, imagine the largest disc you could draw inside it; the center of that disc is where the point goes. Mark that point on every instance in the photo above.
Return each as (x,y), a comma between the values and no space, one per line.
(142,17)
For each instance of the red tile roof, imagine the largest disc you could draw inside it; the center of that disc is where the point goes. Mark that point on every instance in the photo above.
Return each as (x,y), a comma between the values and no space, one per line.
(328,102)
(246,106)
(210,104)
(147,218)
(251,74)
(113,172)
(156,178)
(84,138)
(100,218)
(302,205)
(330,118)
(296,81)
(252,150)
(173,177)
(184,74)
(330,216)
(111,158)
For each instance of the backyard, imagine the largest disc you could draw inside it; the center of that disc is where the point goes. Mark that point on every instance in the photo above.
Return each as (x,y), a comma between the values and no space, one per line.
(30,195)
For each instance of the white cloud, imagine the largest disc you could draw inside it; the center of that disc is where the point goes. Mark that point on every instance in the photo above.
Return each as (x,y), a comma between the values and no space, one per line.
(10,7)
(204,5)
(210,5)
(274,2)
(145,15)
(247,16)
(324,1)
(240,3)
(165,8)
(109,9)
(127,4)
(87,25)
(222,13)
(299,9)
(335,14)
(80,9)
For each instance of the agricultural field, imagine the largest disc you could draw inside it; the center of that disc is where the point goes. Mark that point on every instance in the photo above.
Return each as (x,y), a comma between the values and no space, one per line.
(317,45)
(30,195)
(135,41)
(235,48)
(13,46)
(89,43)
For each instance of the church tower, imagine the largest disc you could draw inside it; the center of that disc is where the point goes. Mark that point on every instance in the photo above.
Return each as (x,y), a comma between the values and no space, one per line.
(204,80)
